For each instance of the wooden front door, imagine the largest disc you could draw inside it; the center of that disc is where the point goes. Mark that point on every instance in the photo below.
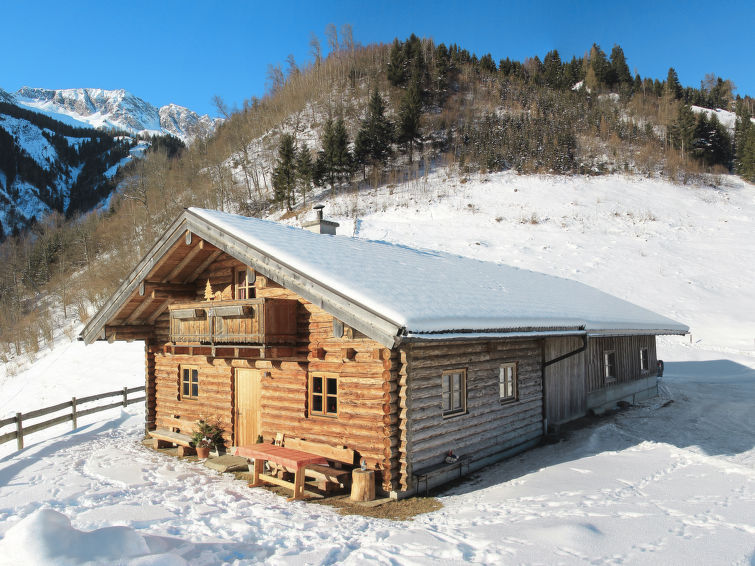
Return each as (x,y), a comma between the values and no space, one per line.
(247,402)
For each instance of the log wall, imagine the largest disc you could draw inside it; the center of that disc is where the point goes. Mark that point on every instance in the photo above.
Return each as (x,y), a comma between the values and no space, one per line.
(627,350)
(488,426)
(367,381)
(150,387)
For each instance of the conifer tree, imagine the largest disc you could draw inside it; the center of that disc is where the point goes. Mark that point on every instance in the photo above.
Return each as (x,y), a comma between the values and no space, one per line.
(673,86)
(397,64)
(284,173)
(304,171)
(620,75)
(408,116)
(600,66)
(373,141)
(552,72)
(683,129)
(334,161)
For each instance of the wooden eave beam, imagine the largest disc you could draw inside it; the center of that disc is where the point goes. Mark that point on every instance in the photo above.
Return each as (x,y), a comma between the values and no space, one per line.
(193,252)
(139,310)
(202,266)
(177,295)
(160,310)
(128,332)
(148,287)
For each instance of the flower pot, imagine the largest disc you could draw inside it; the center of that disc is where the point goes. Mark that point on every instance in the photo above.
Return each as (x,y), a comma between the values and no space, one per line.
(203,451)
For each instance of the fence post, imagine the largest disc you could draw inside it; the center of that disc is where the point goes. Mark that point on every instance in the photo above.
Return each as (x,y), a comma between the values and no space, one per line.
(125,396)
(73,412)
(19,432)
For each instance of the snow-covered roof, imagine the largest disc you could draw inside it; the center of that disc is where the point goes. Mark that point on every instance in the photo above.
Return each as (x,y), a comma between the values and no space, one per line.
(433,294)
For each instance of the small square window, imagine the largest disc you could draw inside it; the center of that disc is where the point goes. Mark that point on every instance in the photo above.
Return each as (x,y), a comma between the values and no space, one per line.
(244,284)
(323,397)
(454,391)
(507,382)
(189,382)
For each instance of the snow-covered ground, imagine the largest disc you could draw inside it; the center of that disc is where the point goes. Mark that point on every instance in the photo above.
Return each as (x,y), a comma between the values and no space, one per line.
(663,483)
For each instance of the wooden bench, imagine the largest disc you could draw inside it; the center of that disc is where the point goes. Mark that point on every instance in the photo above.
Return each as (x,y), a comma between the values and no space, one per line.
(334,474)
(423,474)
(179,433)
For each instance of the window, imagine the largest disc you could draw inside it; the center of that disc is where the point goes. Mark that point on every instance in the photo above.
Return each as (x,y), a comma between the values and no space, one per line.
(189,382)
(454,388)
(609,365)
(323,395)
(244,284)
(507,382)
(644,360)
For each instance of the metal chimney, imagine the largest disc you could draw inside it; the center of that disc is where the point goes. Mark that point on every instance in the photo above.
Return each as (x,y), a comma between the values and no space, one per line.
(321,226)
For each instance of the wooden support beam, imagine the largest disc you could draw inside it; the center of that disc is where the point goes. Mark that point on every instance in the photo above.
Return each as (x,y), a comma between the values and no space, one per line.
(151,286)
(128,332)
(160,310)
(175,295)
(185,261)
(202,266)
(139,310)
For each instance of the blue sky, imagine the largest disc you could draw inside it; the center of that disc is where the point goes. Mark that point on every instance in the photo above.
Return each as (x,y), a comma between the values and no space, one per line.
(187,51)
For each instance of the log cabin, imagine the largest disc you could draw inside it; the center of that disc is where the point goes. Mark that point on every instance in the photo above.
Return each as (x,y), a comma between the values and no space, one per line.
(402,355)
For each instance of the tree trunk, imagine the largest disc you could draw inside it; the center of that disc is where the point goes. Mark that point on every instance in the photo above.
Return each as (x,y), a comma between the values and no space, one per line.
(363,485)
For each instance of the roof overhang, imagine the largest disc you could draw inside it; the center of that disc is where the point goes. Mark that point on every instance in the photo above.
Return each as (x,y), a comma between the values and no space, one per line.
(352,313)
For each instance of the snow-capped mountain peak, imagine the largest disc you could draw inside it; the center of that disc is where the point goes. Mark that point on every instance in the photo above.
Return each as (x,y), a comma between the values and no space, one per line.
(115,109)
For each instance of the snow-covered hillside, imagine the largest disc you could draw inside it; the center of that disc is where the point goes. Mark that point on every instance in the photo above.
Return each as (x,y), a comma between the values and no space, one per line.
(115,109)
(668,482)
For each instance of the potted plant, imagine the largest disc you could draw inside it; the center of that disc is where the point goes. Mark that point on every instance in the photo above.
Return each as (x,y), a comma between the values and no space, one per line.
(207,435)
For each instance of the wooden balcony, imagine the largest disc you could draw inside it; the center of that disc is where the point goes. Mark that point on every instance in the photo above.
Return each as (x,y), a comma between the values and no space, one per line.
(240,322)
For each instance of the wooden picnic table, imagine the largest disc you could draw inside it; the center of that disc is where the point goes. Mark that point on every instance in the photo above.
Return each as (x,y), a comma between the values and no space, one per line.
(297,460)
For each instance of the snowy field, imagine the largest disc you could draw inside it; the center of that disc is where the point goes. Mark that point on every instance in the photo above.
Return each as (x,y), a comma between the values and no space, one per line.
(662,483)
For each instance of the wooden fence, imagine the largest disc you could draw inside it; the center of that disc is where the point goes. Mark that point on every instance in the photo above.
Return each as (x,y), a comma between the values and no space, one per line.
(75,413)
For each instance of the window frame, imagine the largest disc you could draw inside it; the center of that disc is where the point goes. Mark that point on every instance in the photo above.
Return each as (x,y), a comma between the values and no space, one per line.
(190,368)
(609,378)
(245,285)
(325,395)
(644,360)
(514,366)
(462,409)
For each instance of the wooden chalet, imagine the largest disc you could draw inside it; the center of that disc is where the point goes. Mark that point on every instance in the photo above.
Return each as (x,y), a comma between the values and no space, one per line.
(400,355)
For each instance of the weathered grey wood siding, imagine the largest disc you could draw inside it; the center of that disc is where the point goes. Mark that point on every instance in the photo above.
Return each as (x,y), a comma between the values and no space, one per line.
(627,350)
(488,426)
(565,389)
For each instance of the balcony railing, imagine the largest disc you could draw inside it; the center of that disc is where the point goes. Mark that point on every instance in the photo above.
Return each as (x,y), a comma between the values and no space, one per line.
(250,321)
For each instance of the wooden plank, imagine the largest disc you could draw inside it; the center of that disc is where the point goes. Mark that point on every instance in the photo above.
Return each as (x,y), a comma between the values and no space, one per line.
(185,261)
(98,409)
(6,422)
(47,424)
(146,302)
(337,453)
(46,411)
(203,266)
(7,437)
(170,436)
(99,396)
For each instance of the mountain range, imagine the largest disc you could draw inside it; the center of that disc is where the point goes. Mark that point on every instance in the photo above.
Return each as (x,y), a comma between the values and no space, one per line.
(113,109)
(60,149)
